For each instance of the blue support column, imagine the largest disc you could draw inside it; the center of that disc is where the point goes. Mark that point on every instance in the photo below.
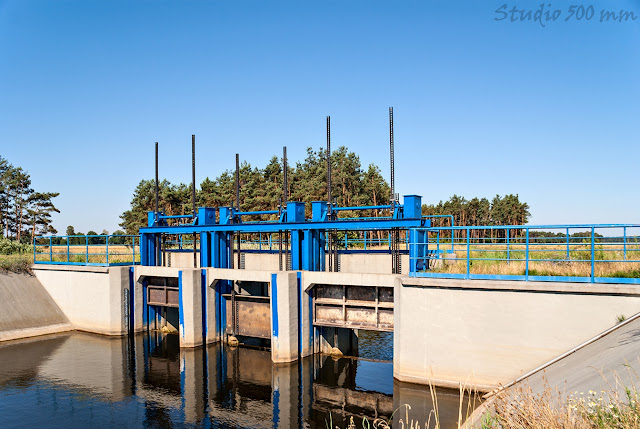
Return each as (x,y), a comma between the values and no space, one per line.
(418,250)
(296,250)
(295,213)
(144,251)
(318,214)
(308,260)
(206,216)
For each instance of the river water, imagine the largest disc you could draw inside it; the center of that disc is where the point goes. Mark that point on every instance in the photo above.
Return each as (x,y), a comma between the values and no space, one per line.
(144,381)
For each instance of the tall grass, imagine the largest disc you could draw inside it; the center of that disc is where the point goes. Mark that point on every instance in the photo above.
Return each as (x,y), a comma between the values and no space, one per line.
(20,263)
(551,261)
(521,408)
(406,417)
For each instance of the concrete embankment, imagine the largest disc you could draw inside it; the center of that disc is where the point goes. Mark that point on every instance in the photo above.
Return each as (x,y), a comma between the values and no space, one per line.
(609,362)
(27,309)
(606,364)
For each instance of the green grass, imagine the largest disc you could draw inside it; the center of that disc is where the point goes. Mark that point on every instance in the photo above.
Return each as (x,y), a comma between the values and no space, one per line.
(631,274)
(20,263)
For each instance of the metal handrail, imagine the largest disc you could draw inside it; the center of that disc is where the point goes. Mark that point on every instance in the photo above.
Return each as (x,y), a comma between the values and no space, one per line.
(523,247)
(86,242)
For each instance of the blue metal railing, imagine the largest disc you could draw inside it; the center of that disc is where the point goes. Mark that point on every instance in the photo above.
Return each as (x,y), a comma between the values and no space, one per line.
(595,253)
(100,250)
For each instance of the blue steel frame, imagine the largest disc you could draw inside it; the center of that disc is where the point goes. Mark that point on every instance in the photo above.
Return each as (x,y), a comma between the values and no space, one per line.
(530,244)
(308,236)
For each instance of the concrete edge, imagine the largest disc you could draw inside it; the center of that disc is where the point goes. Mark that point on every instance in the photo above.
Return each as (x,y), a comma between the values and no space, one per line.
(480,388)
(215,274)
(17,334)
(312,278)
(544,366)
(523,286)
(78,268)
(104,332)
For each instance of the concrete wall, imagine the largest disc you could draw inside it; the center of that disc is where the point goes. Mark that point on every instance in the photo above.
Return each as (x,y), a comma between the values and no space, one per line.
(487,333)
(374,263)
(26,309)
(94,299)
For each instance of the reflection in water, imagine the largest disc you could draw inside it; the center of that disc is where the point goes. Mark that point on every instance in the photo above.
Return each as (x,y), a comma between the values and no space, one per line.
(80,380)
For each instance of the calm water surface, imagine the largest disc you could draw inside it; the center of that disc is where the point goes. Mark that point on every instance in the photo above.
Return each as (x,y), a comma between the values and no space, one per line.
(83,380)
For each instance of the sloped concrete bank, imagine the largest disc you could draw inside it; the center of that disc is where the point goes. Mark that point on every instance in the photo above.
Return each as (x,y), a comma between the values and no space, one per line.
(63,298)
(94,299)
(27,309)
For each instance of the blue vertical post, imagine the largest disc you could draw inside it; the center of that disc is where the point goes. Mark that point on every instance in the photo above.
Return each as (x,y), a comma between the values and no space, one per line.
(508,246)
(365,240)
(107,250)
(86,239)
(206,216)
(133,247)
(68,250)
(308,254)
(34,249)
(592,253)
(526,269)
(144,252)
(296,213)
(568,255)
(624,249)
(50,250)
(346,244)
(318,214)
(468,254)
(260,242)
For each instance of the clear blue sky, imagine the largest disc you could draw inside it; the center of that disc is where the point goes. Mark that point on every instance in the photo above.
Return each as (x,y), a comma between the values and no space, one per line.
(482,107)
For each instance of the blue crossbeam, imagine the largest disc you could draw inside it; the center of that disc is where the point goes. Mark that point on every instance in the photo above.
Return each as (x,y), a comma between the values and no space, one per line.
(337,209)
(261,212)
(340,225)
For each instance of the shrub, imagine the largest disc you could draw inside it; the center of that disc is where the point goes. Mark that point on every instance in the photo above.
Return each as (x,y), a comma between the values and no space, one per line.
(13,247)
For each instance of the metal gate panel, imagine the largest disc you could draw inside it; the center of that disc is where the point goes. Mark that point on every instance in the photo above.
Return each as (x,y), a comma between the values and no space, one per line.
(355,307)
(253,316)
(163,296)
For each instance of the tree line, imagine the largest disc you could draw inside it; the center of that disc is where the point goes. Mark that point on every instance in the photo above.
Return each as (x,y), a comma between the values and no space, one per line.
(352,185)
(262,188)
(24,212)
(507,210)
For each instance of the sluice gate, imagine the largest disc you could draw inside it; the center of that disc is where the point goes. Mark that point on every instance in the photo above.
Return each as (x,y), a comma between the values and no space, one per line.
(163,292)
(248,310)
(355,307)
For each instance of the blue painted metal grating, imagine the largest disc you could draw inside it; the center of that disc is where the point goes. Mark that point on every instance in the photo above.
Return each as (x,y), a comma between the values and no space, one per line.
(586,253)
